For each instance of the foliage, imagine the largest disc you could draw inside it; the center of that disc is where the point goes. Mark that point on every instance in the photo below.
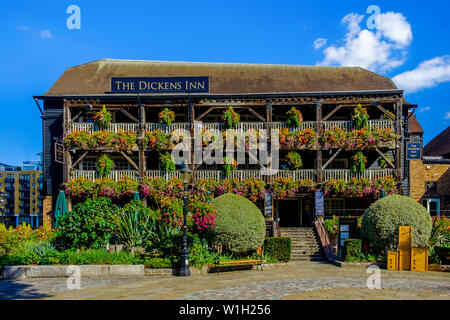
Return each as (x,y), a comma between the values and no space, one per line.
(381,222)
(203,215)
(294,118)
(157,263)
(102,187)
(295,140)
(360,139)
(240,225)
(102,118)
(294,160)
(11,238)
(352,248)
(229,165)
(440,236)
(166,161)
(278,248)
(231,118)
(166,116)
(383,163)
(288,188)
(443,253)
(172,211)
(107,140)
(88,225)
(359,161)
(331,228)
(158,140)
(134,224)
(360,117)
(362,187)
(104,165)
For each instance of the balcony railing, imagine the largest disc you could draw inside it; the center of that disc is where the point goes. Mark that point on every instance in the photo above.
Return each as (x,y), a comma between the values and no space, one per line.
(306,174)
(346,174)
(242,126)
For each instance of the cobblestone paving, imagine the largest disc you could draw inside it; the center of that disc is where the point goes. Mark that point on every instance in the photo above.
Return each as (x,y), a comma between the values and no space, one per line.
(278,289)
(300,280)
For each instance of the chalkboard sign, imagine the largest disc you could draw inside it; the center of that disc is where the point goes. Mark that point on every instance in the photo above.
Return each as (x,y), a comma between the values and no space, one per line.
(268,204)
(413,151)
(319,203)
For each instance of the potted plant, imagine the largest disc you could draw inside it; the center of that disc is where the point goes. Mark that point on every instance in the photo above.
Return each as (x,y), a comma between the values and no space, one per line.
(360,117)
(166,116)
(294,118)
(104,165)
(231,118)
(358,162)
(294,160)
(102,118)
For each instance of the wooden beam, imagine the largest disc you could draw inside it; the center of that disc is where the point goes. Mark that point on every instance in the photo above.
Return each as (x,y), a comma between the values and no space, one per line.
(386,112)
(205,113)
(129,115)
(331,159)
(256,114)
(129,160)
(80,159)
(385,158)
(331,113)
(77,116)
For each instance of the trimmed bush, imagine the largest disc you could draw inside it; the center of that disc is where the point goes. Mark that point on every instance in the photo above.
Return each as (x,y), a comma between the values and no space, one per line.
(239,226)
(278,248)
(352,248)
(381,221)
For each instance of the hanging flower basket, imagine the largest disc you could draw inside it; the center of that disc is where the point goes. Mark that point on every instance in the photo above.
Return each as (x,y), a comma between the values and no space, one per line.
(360,117)
(104,165)
(358,162)
(231,118)
(294,118)
(102,118)
(166,116)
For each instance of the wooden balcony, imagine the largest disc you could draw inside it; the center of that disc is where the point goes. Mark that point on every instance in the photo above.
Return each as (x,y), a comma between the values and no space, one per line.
(306,174)
(242,126)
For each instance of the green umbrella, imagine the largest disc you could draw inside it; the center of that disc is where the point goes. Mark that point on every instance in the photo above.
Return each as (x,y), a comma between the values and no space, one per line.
(136,196)
(61,208)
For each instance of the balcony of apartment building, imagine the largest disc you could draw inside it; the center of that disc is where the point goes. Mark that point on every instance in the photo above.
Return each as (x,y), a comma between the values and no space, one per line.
(10,178)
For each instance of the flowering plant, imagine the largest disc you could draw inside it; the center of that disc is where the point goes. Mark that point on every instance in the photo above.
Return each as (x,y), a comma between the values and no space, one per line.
(359,187)
(231,118)
(360,117)
(166,161)
(294,118)
(358,162)
(295,140)
(331,228)
(158,140)
(360,139)
(203,215)
(119,141)
(229,165)
(172,211)
(104,165)
(80,187)
(166,116)
(102,118)
(383,163)
(294,160)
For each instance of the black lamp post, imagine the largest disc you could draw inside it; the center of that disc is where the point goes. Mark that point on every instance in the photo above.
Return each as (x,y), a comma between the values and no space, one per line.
(186,176)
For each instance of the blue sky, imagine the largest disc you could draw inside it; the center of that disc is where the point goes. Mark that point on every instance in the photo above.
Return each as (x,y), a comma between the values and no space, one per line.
(36,47)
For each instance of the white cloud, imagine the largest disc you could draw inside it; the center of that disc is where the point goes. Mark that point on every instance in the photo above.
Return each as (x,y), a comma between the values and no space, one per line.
(23,28)
(423,109)
(380,50)
(46,34)
(428,74)
(319,43)
(447,116)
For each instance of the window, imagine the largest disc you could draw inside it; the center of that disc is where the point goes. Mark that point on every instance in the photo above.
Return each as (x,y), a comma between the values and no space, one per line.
(88,165)
(122,165)
(433,206)
(431,186)
(334,207)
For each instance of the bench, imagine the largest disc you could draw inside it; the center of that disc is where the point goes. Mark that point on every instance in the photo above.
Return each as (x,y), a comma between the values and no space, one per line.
(251,262)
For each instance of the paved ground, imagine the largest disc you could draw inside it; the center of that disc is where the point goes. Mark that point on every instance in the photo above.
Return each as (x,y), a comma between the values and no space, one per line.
(300,280)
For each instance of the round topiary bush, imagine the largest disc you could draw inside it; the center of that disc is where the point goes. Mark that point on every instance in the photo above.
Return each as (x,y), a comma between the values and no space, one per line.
(381,221)
(240,225)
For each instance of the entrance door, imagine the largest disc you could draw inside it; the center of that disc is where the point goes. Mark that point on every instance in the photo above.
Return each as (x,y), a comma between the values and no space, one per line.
(433,206)
(289,213)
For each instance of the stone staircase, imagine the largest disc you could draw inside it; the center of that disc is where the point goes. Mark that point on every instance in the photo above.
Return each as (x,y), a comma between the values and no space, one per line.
(305,244)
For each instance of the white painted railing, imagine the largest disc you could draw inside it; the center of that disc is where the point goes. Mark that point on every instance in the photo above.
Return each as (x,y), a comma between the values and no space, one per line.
(114,175)
(346,174)
(348,125)
(306,174)
(113,127)
(167,129)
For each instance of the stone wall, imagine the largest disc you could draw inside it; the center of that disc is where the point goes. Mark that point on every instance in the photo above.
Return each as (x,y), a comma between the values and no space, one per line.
(421,172)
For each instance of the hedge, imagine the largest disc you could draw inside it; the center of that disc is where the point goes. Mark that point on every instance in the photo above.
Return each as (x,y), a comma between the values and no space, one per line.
(278,248)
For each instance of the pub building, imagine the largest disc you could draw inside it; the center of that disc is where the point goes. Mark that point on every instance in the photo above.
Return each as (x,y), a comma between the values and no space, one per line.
(135,92)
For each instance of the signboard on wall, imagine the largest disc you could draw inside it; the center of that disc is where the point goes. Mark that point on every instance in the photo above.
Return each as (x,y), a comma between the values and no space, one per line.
(319,203)
(268,204)
(159,84)
(413,151)
(59,152)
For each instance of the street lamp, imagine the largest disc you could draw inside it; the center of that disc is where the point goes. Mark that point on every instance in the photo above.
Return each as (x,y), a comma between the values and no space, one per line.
(186,176)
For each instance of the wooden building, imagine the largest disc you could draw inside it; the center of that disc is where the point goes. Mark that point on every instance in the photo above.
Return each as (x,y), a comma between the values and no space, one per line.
(261,94)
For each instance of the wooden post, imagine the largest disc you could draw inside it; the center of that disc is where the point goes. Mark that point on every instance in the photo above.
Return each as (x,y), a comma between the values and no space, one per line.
(141,142)
(399,131)
(319,144)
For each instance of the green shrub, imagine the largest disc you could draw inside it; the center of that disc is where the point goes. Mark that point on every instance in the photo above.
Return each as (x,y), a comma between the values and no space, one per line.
(240,225)
(278,248)
(88,225)
(157,263)
(352,248)
(443,252)
(381,221)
